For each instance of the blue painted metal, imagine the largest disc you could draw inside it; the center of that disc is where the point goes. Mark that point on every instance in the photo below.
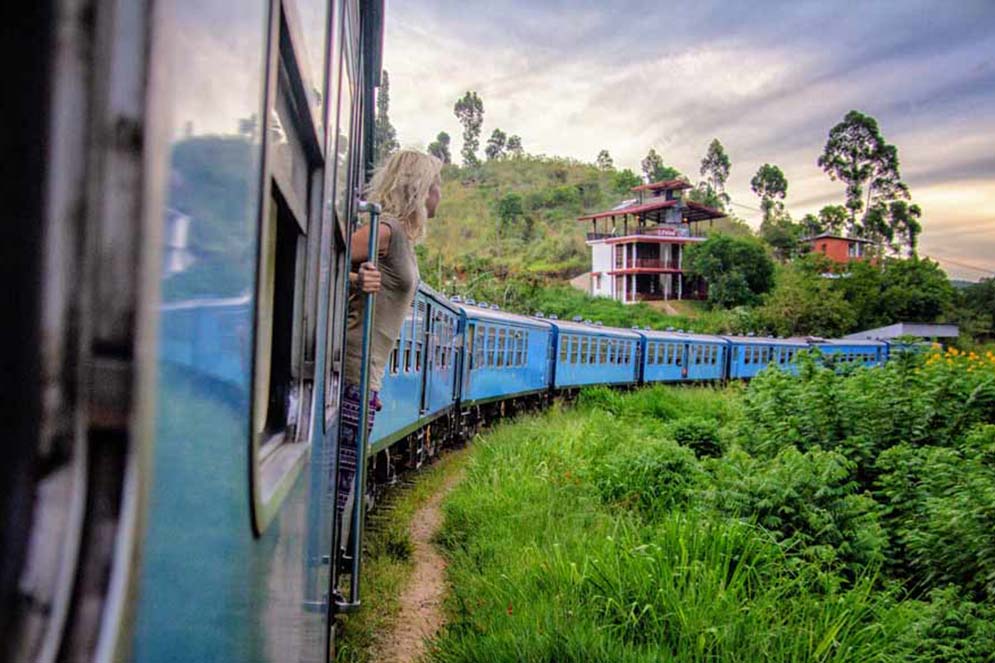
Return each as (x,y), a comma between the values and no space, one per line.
(749,355)
(506,354)
(676,357)
(419,383)
(849,352)
(591,354)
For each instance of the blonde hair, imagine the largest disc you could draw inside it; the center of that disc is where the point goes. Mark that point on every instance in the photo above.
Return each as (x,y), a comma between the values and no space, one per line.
(401,185)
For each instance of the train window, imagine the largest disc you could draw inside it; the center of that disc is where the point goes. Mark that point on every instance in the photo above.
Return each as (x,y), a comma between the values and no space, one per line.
(524,349)
(628,352)
(499,352)
(564,348)
(480,348)
(491,344)
(585,348)
(651,353)
(394,359)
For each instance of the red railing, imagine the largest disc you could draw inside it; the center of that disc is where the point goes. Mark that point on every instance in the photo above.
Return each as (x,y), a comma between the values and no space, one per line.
(654,263)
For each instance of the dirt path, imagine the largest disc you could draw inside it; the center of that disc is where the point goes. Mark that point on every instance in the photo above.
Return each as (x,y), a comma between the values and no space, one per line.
(421,614)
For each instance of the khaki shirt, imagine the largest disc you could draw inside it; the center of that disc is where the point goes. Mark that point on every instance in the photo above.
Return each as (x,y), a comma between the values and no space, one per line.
(398,283)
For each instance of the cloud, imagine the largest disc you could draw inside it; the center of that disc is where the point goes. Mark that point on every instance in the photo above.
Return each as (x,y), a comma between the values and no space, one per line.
(768,79)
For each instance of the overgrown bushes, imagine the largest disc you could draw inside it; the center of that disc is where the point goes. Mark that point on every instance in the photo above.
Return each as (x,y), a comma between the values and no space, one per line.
(828,516)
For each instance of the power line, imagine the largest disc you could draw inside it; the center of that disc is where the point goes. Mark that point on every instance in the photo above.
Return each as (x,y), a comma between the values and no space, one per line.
(962,264)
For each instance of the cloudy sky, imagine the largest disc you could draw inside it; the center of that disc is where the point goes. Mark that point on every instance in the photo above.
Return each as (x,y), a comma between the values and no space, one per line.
(768,79)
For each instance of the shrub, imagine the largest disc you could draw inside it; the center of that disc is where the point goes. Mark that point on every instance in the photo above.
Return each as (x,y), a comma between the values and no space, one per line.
(651,477)
(699,435)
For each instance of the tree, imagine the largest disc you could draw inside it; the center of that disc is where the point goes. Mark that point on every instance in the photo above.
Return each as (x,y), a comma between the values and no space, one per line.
(898,223)
(805,303)
(782,234)
(811,225)
(655,170)
(857,154)
(772,186)
(833,218)
(737,270)
(439,148)
(604,161)
(495,145)
(914,291)
(384,136)
(514,146)
(715,169)
(469,111)
(625,179)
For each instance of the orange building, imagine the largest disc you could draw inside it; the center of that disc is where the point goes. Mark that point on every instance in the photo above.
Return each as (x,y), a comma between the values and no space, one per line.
(839,249)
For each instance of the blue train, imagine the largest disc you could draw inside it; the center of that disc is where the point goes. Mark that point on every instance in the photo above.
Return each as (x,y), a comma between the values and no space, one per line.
(185,181)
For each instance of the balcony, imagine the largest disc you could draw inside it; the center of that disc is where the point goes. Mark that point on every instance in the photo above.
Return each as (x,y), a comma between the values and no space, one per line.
(649,263)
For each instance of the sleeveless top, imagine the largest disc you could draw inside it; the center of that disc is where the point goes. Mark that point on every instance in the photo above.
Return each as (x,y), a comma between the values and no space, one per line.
(398,283)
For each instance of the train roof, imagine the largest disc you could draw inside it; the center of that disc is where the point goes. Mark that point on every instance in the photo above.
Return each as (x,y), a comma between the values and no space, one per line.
(438,296)
(680,336)
(843,342)
(767,340)
(497,315)
(590,328)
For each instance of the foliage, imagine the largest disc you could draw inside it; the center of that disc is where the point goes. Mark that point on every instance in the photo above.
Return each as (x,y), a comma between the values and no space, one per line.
(737,270)
(914,290)
(590,536)
(624,181)
(604,161)
(654,170)
(715,167)
(469,110)
(857,154)
(975,308)
(772,186)
(805,303)
(384,135)
(782,234)
(833,218)
(439,148)
(514,147)
(496,144)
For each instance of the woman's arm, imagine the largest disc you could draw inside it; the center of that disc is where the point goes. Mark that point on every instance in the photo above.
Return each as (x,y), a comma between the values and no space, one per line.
(361,240)
(367,276)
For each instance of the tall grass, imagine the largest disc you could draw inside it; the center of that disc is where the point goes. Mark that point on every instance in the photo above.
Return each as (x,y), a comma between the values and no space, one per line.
(558,554)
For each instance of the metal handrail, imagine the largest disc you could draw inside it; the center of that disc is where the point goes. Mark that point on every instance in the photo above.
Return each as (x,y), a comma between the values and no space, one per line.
(362,442)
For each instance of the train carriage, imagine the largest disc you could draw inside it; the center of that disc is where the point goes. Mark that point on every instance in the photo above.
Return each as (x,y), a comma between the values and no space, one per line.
(591,354)
(504,355)
(751,354)
(419,383)
(677,356)
(851,352)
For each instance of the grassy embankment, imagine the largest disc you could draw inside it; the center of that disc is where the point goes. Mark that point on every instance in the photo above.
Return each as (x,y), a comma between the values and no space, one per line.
(387,562)
(824,517)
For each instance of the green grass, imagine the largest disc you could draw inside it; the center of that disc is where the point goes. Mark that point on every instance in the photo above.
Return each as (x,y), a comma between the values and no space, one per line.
(387,563)
(635,527)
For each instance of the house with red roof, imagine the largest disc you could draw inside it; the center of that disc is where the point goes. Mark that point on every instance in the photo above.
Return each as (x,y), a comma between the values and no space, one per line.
(637,248)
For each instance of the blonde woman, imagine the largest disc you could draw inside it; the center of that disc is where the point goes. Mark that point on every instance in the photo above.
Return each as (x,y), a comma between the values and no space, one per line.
(407,187)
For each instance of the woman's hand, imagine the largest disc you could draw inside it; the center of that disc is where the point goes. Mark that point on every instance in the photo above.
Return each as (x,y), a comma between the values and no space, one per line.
(368,278)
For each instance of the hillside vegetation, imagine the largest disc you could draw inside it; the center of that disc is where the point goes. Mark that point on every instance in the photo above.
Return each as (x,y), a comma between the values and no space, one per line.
(827,517)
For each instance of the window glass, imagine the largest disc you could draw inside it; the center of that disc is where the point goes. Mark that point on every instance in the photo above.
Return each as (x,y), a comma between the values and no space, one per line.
(564,349)
(491,342)
(499,360)
(583,349)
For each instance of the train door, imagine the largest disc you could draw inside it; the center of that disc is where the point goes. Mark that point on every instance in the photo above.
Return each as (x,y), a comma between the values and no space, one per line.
(423,354)
(79,260)
(469,350)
